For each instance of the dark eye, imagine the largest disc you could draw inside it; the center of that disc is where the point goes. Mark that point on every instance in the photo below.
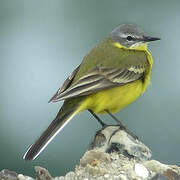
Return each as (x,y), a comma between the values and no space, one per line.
(129,38)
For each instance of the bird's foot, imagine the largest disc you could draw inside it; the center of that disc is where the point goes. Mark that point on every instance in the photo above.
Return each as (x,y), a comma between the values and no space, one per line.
(128,132)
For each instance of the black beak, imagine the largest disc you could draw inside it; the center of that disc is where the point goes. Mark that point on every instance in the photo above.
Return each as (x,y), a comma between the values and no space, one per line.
(149,38)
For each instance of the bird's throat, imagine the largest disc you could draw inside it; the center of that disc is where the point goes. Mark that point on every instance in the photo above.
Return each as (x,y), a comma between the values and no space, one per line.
(138,46)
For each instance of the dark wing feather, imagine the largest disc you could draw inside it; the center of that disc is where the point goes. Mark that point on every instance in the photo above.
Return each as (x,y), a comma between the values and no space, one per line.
(100,78)
(66,83)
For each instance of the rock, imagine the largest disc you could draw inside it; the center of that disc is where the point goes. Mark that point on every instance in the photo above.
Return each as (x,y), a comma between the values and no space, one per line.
(8,175)
(113,139)
(114,154)
(42,173)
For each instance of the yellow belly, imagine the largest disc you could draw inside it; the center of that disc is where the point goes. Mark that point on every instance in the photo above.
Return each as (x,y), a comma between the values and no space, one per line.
(113,99)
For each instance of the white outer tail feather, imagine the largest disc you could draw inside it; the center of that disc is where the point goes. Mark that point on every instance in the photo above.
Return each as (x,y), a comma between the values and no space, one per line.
(61,128)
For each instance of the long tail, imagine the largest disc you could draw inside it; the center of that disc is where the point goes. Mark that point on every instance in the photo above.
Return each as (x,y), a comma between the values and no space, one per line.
(62,118)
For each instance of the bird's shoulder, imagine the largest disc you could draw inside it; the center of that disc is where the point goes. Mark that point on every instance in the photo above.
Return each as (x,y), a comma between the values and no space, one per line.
(107,55)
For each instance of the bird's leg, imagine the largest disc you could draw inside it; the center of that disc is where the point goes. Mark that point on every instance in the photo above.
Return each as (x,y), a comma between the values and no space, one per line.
(116,119)
(122,127)
(98,119)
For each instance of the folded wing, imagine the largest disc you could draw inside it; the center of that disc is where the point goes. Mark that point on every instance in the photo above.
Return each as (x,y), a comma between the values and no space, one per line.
(99,78)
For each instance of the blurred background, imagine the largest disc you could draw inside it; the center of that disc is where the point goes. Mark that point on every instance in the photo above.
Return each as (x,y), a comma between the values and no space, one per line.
(41,42)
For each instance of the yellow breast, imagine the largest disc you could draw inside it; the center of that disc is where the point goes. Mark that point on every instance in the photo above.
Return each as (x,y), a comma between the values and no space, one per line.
(113,99)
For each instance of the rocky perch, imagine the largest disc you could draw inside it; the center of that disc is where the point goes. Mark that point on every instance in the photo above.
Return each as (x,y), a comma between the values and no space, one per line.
(114,154)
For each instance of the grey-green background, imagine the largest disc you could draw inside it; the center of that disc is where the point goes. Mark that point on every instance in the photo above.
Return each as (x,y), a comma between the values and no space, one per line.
(42,41)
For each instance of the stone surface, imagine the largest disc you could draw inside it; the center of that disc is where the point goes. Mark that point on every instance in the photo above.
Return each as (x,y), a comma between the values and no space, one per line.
(113,139)
(42,173)
(114,155)
(8,175)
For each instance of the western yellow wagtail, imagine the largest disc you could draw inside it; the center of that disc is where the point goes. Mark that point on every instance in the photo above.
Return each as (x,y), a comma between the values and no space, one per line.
(111,76)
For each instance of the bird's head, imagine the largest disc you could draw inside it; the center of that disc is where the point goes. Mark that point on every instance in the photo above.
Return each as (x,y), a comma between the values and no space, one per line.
(130,36)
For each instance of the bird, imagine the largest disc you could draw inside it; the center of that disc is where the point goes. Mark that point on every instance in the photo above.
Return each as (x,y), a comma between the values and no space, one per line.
(110,77)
